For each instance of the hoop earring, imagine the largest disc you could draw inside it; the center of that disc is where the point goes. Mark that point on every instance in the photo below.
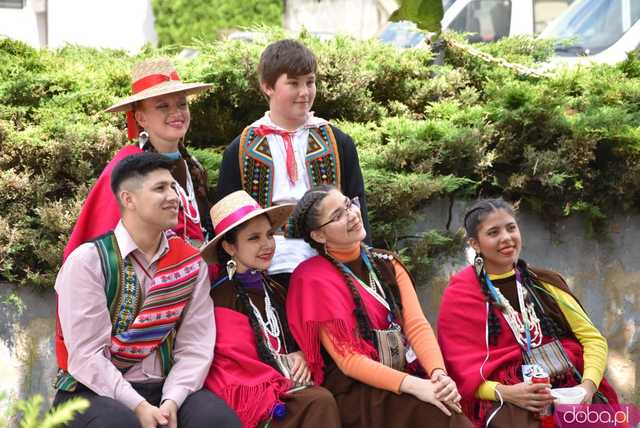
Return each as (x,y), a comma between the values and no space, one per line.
(231,268)
(143,138)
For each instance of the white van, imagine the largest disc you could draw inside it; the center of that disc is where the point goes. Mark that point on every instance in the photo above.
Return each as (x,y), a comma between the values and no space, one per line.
(601,31)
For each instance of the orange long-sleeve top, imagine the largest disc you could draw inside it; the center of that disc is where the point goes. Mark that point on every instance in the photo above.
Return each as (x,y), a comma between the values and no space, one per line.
(414,324)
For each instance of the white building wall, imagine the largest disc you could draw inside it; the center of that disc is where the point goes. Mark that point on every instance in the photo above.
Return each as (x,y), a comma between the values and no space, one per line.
(21,24)
(117,24)
(358,18)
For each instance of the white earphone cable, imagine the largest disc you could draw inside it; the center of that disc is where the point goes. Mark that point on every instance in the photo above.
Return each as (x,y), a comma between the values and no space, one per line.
(486,358)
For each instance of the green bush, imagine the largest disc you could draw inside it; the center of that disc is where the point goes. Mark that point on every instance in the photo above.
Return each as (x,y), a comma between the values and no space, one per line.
(423,131)
(181,21)
(27,412)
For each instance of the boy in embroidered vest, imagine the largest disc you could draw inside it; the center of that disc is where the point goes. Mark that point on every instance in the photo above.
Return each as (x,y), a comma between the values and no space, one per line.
(280,156)
(136,330)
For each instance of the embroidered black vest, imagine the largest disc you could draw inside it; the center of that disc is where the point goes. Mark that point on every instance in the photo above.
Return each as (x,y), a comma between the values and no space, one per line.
(256,163)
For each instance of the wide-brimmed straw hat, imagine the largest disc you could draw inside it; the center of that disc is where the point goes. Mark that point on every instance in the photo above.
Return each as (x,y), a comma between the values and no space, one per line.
(233,210)
(151,78)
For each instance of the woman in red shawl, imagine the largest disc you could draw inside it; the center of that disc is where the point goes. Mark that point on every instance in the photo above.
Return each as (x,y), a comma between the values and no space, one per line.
(484,333)
(257,367)
(355,313)
(158,116)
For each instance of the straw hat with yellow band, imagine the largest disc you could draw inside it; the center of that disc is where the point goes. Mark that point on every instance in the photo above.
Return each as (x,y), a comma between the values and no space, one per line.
(151,78)
(233,210)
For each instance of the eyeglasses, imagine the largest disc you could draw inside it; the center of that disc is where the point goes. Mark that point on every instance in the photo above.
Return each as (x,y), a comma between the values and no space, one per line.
(342,213)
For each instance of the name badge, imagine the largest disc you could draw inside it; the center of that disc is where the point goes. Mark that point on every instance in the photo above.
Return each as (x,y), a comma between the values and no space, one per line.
(410,355)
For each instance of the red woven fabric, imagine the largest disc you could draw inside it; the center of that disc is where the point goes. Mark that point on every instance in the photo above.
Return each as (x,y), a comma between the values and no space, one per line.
(237,375)
(319,297)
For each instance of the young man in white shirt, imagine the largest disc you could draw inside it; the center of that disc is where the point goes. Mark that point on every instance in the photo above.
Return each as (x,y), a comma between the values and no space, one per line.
(280,156)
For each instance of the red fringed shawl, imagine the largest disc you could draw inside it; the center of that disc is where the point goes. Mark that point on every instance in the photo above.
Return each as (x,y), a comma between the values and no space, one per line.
(251,387)
(319,297)
(462,336)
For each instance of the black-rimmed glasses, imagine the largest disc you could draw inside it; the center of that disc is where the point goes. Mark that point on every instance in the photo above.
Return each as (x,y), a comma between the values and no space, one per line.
(342,213)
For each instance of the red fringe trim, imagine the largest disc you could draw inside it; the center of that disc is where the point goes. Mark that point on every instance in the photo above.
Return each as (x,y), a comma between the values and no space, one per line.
(345,340)
(255,403)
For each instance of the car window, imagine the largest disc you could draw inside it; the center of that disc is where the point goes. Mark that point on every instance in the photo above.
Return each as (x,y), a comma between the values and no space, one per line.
(488,20)
(595,25)
(545,11)
(403,34)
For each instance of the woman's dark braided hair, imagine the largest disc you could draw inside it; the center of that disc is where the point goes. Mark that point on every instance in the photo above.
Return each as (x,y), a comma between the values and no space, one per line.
(474,216)
(306,218)
(264,351)
(550,327)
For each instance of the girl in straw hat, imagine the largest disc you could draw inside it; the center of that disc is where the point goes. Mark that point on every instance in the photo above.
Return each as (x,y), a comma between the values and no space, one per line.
(257,369)
(158,116)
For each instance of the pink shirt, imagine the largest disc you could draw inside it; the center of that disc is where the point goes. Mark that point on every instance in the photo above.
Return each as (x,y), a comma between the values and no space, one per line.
(86,327)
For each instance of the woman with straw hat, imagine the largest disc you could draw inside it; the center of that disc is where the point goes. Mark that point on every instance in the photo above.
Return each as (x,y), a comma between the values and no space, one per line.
(257,369)
(158,116)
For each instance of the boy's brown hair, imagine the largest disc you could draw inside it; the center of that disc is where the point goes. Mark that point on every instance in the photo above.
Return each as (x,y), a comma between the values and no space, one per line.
(288,57)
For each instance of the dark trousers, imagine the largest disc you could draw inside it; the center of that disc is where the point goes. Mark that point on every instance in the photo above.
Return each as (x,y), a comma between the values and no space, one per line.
(201,409)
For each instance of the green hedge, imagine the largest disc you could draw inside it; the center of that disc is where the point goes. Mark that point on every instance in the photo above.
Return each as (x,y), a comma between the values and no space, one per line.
(423,131)
(179,22)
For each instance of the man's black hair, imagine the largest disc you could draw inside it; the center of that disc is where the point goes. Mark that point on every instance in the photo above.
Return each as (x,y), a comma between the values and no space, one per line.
(137,166)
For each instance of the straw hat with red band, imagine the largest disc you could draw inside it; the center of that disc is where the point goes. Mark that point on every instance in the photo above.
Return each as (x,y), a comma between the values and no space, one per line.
(235,209)
(151,78)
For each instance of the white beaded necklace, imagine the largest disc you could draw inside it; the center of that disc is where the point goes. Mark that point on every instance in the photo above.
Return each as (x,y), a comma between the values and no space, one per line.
(270,327)
(188,199)
(517,321)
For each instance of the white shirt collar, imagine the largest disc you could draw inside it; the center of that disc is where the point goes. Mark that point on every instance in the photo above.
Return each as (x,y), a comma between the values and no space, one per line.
(312,122)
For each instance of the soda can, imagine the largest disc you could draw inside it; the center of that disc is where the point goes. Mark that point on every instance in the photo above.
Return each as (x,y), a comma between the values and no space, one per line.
(547,412)
(540,377)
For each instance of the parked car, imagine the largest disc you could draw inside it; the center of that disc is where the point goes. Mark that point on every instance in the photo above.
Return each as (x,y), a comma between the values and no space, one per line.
(601,31)
(484,20)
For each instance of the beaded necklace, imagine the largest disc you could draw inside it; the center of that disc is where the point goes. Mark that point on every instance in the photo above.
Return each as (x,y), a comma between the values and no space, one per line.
(188,200)
(271,327)
(525,325)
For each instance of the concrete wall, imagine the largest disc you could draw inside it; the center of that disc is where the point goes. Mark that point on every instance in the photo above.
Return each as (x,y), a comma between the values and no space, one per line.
(604,273)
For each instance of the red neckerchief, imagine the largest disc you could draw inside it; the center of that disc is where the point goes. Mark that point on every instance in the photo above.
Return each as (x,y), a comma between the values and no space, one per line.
(292,168)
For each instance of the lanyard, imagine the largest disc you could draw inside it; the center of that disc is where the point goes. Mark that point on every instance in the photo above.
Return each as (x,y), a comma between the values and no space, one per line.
(523,309)
(375,289)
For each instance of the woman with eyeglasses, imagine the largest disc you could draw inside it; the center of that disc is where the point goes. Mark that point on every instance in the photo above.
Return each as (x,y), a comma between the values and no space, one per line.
(355,314)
